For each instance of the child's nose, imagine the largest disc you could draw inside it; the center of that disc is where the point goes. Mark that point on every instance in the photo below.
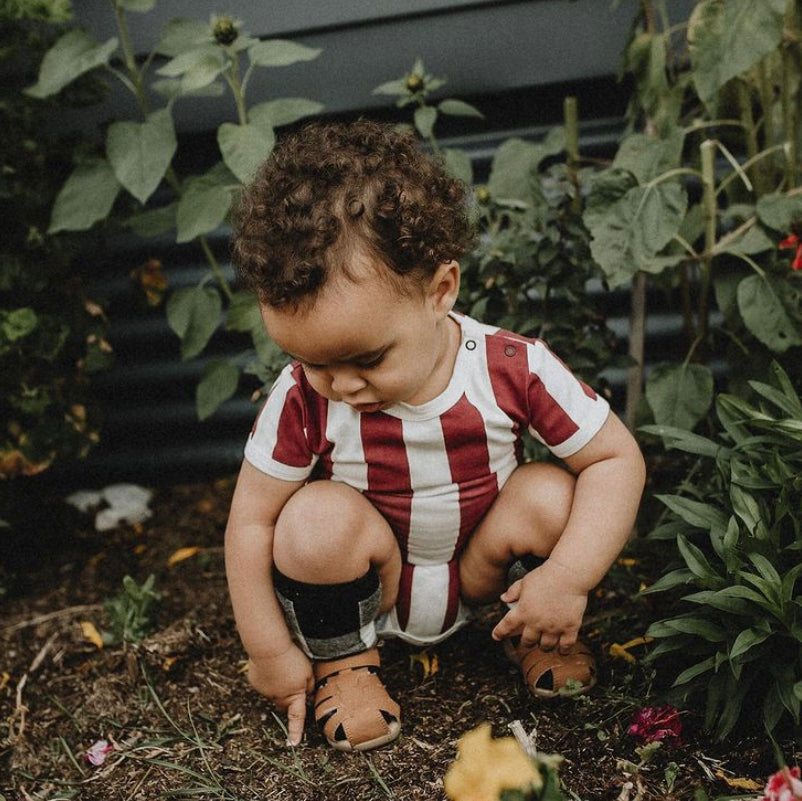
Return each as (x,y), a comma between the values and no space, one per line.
(346,380)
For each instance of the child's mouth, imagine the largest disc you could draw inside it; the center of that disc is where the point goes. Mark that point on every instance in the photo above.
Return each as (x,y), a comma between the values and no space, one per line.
(367,408)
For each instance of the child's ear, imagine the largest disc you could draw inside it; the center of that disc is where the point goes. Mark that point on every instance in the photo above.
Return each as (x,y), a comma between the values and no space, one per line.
(444,287)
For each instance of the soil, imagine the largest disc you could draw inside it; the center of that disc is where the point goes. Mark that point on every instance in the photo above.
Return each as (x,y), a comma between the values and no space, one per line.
(183,722)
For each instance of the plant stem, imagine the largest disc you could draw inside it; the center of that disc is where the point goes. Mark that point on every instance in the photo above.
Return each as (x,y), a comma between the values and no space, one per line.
(767,103)
(216,269)
(571,118)
(130,60)
(789,116)
(750,131)
(709,209)
(232,75)
(637,338)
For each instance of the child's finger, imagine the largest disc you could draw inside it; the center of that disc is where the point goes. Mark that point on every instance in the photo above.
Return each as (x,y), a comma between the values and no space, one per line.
(512,593)
(296,715)
(506,627)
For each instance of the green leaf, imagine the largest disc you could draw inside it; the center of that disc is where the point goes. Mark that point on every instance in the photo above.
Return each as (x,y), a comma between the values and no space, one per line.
(243,312)
(698,564)
(180,35)
(284,111)
(397,87)
(141,152)
(245,148)
(729,38)
(747,639)
(695,513)
(778,210)
(755,240)
(512,173)
(217,384)
(154,221)
(698,627)
(669,581)
(745,507)
(646,157)
(761,306)
(204,204)
(194,315)
(459,108)
(197,68)
(87,196)
(280,53)
(629,233)
(425,118)
(172,88)
(680,395)
(685,440)
(695,670)
(18,323)
(458,164)
(74,54)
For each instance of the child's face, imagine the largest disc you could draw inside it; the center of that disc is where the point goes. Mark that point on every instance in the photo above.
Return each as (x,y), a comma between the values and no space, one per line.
(369,345)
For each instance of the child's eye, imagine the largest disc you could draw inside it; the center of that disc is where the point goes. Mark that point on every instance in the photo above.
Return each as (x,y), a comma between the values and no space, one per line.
(371,364)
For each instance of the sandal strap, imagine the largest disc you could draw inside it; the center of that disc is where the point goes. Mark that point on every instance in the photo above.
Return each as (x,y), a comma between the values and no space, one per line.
(352,705)
(578,665)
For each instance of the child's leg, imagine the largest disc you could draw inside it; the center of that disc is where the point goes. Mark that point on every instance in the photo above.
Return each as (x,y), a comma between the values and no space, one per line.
(336,567)
(528,517)
(516,535)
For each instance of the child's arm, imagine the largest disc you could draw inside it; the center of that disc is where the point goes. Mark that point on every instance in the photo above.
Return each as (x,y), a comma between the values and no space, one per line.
(278,668)
(551,599)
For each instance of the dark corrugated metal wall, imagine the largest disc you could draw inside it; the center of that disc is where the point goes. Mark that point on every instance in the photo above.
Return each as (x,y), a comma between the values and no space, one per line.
(151,431)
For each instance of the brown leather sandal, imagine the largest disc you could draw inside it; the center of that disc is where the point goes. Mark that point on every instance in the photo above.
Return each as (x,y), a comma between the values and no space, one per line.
(548,674)
(352,706)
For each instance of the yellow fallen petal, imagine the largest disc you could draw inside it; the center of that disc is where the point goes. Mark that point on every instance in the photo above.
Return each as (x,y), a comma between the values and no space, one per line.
(429,663)
(90,632)
(620,652)
(5,678)
(484,767)
(739,783)
(181,554)
(627,561)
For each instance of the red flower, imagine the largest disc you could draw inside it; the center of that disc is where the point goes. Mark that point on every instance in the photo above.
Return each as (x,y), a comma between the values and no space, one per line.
(651,724)
(793,241)
(784,785)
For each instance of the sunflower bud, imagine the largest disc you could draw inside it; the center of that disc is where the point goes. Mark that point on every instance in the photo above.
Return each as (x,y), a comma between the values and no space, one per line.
(413,83)
(224,30)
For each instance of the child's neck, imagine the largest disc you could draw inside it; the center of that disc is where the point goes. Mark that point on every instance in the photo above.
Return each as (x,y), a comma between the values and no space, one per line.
(450,337)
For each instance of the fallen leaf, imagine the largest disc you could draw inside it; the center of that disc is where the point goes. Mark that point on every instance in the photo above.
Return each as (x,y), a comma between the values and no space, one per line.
(90,632)
(181,554)
(140,549)
(738,783)
(5,677)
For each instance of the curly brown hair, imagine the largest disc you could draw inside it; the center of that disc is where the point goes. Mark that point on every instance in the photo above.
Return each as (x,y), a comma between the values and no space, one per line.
(332,192)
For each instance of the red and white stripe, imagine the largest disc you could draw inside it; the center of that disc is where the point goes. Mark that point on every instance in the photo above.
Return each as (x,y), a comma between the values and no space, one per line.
(433,470)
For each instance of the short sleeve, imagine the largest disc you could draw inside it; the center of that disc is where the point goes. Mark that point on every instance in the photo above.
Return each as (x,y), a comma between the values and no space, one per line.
(564,413)
(278,443)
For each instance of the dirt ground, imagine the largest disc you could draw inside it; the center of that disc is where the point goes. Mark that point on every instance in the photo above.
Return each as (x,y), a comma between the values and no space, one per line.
(183,723)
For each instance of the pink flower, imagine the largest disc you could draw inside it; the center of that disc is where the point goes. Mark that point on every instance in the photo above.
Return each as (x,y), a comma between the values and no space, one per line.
(96,755)
(651,724)
(784,785)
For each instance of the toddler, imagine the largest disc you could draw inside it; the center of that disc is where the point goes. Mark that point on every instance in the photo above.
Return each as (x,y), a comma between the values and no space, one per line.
(383,491)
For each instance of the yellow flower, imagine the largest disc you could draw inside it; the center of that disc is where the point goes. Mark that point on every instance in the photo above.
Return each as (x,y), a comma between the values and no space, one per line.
(484,767)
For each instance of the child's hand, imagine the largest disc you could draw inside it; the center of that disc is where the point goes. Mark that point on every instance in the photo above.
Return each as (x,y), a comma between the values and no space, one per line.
(548,608)
(287,680)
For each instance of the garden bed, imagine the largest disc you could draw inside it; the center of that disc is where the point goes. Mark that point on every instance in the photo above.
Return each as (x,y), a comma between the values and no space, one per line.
(184,723)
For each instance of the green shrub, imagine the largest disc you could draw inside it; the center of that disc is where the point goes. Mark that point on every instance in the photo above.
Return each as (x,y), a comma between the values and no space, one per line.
(52,335)
(737,528)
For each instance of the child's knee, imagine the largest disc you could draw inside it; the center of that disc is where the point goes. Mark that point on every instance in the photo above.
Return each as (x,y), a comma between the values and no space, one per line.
(325,532)
(544,492)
